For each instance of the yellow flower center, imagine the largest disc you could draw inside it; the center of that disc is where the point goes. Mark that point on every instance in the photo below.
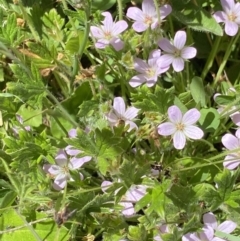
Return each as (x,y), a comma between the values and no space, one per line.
(148,20)
(108,35)
(177,53)
(180,126)
(150,72)
(232,17)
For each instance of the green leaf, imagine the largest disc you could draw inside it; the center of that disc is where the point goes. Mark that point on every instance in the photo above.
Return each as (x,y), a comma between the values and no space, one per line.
(45,229)
(7,197)
(73,44)
(102,5)
(197,91)
(225,184)
(10,29)
(195,17)
(224,99)
(209,120)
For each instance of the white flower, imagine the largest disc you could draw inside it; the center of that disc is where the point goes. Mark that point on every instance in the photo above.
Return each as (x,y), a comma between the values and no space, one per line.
(119,113)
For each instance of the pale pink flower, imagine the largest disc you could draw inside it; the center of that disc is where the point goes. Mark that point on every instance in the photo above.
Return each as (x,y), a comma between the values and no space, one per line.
(176,52)
(147,16)
(17,128)
(232,142)
(207,234)
(61,171)
(108,33)
(133,195)
(230,16)
(119,113)
(149,71)
(163,229)
(181,126)
(226,227)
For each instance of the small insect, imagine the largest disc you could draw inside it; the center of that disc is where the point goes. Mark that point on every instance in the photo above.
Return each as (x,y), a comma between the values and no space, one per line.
(62,216)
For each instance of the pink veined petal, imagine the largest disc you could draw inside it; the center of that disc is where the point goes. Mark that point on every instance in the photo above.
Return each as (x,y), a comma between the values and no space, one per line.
(164,228)
(151,82)
(105,185)
(227,5)
(178,64)
(60,181)
(148,8)
(220,16)
(166,129)
(76,162)
(112,118)
(137,80)
(180,39)
(107,22)
(230,141)
(135,193)
(191,117)
(227,226)
(193,132)
(96,32)
(131,113)
(165,60)
(156,53)
(119,106)
(117,44)
(54,170)
(190,237)
(165,10)
(166,46)
(61,158)
(174,114)
(179,140)
(135,14)
(46,167)
(140,65)
(231,164)
(153,63)
(72,151)
(188,52)
(101,44)
(236,9)
(139,26)
(237,134)
(131,124)
(210,220)
(128,208)
(231,28)
(119,27)
(207,233)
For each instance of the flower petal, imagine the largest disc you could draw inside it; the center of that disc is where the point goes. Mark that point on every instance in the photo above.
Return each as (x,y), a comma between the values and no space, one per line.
(165,60)
(128,208)
(119,27)
(105,185)
(131,113)
(148,8)
(101,44)
(117,44)
(179,140)
(112,118)
(220,16)
(166,129)
(75,162)
(230,141)
(178,64)
(231,28)
(60,181)
(135,193)
(231,164)
(227,226)
(191,117)
(135,14)
(193,132)
(175,114)
(61,158)
(165,10)
(139,26)
(227,5)
(188,52)
(166,46)
(72,133)
(156,53)
(72,151)
(180,39)
(137,80)
(140,65)
(131,124)
(96,32)
(119,106)
(210,220)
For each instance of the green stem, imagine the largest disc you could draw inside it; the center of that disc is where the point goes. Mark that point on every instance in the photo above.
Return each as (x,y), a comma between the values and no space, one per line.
(211,57)
(158,12)
(225,58)
(120,9)
(62,109)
